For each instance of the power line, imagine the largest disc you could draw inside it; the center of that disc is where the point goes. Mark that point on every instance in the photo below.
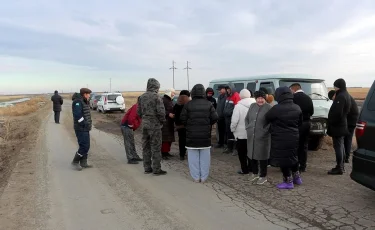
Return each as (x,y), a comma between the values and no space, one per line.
(187,73)
(173,68)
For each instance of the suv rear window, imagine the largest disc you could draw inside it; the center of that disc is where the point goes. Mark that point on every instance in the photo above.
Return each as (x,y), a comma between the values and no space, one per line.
(371,102)
(113,96)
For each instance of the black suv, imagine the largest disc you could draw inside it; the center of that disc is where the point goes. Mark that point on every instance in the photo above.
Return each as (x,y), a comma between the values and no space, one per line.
(364,157)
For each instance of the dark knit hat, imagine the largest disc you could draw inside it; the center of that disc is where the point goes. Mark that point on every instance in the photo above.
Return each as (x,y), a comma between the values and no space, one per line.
(260,94)
(56,91)
(185,92)
(84,90)
(221,87)
(340,83)
(331,94)
(264,90)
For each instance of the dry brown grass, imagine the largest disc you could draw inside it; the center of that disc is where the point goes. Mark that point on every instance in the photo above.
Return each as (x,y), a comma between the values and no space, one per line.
(24,108)
(4,98)
(357,93)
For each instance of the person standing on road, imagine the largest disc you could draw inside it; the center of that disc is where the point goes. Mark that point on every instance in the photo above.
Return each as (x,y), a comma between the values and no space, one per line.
(183,98)
(258,137)
(220,112)
(338,124)
(210,96)
(152,112)
(352,119)
(232,99)
(82,127)
(198,115)
(168,126)
(131,122)
(239,130)
(306,104)
(57,103)
(285,118)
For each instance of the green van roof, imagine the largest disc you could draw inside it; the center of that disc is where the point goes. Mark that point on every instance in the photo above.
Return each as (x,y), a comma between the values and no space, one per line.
(271,76)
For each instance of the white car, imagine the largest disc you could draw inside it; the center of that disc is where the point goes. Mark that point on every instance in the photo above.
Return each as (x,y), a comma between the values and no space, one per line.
(111,102)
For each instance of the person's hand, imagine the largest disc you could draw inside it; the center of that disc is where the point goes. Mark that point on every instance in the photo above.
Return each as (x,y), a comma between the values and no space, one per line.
(171,115)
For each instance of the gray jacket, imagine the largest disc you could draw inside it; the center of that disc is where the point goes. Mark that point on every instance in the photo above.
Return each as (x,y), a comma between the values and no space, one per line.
(258,135)
(151,107)
(221,105)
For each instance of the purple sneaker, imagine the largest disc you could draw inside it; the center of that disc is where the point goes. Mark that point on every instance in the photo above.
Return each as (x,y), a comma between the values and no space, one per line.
(287,184)
(297,178)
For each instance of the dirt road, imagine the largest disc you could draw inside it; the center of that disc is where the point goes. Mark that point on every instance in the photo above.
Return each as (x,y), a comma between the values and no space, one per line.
(45,193)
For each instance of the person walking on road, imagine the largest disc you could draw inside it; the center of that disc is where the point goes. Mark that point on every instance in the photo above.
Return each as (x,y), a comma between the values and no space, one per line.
(306,104)
(168,126)
(152,112)
(57,103)
(198,115)
(258,137)
(210,96)
(338,124)
(220,127)
(131,122)
(239,130)
(183,98)
(232,99)
(82,127)
(285,118)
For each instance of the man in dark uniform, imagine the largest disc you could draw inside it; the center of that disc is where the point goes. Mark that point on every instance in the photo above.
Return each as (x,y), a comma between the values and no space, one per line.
(82,127)
(307,107)
(57,103)
(220,111)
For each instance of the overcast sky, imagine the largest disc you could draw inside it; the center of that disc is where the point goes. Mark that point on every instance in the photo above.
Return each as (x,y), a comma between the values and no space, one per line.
(87,42)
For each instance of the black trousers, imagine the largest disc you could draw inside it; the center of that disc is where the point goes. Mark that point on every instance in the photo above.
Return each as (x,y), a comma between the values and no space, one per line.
(287,171)
(230,140)
(348,142)
(338,145)
(83,139)
(255,165)
(304,132)
(57,116)
(242,156)
(182,141)
(221,130)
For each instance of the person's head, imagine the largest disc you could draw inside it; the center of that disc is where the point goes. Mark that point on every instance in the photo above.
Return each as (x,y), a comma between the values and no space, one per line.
(230,89)
(283,93)
(260,97)
(85,93)
(170,93)
(245,94)
(222,89)
(210,92)
(332,95)
(339,84)
(198,91)
(153,85)
(56,92)
(185,92)
(265,91)
(295,87)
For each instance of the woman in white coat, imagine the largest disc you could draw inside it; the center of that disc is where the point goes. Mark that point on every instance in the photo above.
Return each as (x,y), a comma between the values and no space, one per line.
(239,130)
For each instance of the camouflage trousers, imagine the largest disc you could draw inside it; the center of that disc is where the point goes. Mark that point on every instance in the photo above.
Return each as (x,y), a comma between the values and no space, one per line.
(151,144)
(128,134)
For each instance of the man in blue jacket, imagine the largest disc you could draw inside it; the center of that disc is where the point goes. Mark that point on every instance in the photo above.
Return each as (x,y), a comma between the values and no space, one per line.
(82,127)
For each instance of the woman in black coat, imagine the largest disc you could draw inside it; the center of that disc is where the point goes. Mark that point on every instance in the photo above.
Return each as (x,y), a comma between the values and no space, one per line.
(285,119)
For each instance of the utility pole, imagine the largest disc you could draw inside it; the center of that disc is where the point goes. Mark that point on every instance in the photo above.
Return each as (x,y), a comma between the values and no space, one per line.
(173,68)
(187,73)
(110,85)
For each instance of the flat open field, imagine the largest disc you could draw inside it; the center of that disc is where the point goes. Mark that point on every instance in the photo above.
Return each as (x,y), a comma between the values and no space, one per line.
(4,98)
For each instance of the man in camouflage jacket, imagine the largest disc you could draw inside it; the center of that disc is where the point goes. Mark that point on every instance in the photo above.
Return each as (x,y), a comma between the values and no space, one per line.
(151,110)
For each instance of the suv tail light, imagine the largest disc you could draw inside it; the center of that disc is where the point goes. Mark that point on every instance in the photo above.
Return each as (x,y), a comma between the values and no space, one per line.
(95,101)
(360,129)
(105,100)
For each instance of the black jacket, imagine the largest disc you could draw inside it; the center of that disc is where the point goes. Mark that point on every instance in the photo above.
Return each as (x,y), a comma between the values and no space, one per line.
(177,109)
(211,99)
(305,103)
(198,115)
(353,114)
(221,99)
(57,102)
(81,113)
(337,116)
(285,119)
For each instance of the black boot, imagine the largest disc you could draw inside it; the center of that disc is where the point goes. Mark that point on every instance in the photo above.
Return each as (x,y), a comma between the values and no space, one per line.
(83,162)
(164,156)
(336,171)
(75,162)
(230,146)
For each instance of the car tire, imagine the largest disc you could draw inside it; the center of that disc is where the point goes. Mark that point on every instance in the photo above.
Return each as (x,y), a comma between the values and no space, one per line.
(315,143)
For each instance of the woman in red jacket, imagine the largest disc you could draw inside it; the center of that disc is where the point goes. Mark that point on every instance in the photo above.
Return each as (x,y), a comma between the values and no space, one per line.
(129,124)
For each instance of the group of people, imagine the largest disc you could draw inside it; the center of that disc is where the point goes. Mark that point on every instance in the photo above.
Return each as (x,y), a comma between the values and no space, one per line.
(263,131)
